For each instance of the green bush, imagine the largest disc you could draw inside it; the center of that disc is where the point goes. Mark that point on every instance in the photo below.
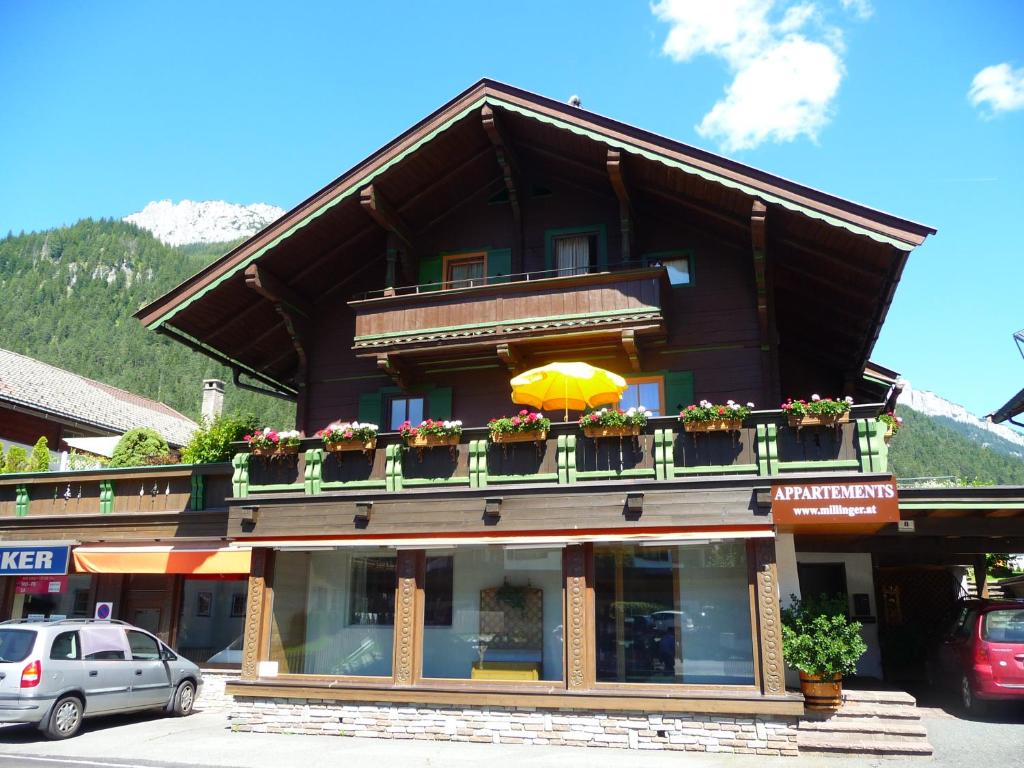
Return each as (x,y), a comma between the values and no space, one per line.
(137,447)
(212,442)
(819,639)
(2,461)
(17,460)
(40,459)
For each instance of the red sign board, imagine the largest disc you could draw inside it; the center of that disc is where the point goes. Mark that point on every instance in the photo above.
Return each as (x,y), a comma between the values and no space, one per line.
(849,502)
(40,585)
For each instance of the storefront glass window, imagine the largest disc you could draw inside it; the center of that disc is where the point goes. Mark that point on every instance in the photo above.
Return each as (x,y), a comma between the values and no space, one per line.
(493,613)
(673,614)
(211,621)
(334,612)
(71,602)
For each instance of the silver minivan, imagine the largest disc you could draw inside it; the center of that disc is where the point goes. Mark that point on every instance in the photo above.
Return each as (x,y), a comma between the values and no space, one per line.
(54,674)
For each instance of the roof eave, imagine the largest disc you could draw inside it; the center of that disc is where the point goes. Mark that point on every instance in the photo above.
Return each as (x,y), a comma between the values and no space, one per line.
(1013,407)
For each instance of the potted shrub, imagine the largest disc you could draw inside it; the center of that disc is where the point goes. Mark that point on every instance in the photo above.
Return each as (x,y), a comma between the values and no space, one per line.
(524,427)
(268,442)
(614,422)
(709,417)
(821,642)
(892,422)
(431,433)
(345,436)
(819,412)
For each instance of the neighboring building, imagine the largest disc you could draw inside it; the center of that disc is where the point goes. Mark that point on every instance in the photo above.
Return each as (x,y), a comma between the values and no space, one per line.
(41,400)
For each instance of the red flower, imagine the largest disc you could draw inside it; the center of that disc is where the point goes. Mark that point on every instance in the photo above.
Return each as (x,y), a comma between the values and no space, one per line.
(594,417)
(692,408)
(248,438)
(531,418)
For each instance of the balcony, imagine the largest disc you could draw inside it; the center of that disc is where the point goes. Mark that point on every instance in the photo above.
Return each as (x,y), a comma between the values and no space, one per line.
(521,311)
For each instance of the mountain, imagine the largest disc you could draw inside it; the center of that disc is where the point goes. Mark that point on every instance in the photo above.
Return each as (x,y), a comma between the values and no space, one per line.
(69,295)
(211,221)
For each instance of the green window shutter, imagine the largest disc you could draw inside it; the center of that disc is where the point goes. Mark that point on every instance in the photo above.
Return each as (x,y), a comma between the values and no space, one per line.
(430,270)
(678,391)
(370,409)
(439,403)
(499,265)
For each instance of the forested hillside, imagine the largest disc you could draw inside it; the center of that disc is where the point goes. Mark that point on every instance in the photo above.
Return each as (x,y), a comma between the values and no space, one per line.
(68,299)
(927,447)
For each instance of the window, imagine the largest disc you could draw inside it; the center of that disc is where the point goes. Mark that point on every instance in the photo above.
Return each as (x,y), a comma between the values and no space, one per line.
(646,391)
(103,644)
(16,644)
(65,647)
(505,615)
(207,622)
(673,613)
(678,270)
(438,591)
(333,612)
(143,647)
(1004,626)
(575,254)
(465,270)
(401,409)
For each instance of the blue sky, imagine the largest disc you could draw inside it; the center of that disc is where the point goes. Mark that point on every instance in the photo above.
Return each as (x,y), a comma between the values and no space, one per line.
(106,106)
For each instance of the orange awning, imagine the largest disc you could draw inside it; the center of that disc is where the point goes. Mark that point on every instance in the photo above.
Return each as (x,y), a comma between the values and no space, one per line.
(166,559)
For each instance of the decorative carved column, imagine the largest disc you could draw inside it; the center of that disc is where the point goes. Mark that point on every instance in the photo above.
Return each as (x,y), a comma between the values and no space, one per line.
(769,622)
(406,618)
(254,614)
(576,617)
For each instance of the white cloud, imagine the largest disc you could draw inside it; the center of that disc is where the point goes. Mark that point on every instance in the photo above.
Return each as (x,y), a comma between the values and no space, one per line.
(785,60)
(862,9)
(999,87)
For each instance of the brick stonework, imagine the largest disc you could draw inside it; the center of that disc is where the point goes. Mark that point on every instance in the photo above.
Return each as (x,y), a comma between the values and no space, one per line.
(211,693)
(501,725)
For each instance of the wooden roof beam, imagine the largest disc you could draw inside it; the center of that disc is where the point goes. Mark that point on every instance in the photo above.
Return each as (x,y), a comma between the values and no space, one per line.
(383,212)
(506,155)
(291,306)
(617,174)
(758,241)
(389,365)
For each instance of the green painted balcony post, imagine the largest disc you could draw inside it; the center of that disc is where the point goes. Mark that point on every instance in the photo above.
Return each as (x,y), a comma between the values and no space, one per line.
(563,470)
(664,454)
(393,467)
(197,500)
(874,453)
(881,447)
(313,475)
(767,447)
(21,499)
(106,497)
(240,476)
(570,458)
(478,463)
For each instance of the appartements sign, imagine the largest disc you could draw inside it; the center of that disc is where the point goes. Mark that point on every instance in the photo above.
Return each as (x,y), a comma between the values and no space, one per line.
(858,501)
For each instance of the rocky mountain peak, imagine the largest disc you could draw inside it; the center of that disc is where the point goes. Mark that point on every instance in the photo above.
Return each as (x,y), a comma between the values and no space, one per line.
(210,221)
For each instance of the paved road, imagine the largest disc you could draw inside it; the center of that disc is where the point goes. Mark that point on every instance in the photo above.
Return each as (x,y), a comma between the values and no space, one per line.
(201,741)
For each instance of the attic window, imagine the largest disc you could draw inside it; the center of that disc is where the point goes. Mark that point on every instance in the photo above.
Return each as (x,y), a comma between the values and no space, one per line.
(678,270)
(575,254)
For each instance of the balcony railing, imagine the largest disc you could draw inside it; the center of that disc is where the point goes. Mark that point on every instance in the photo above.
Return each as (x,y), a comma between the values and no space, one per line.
(511,307)
(765,446)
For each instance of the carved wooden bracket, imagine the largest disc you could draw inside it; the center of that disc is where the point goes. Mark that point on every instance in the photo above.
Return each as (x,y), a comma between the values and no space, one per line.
(617,174)
(290,305)
(630,347)
(510,356)
(389,365)
(507,160)
(400,237)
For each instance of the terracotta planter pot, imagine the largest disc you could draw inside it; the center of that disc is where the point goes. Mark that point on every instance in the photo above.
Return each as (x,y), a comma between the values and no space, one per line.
(261,451)
(287,450)
(340,446)
(819,421)
(599,432)
(718,425)
(821,694)
(432,441)
(531,436)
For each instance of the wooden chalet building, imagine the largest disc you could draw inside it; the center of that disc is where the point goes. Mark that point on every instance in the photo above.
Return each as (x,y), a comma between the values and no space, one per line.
(576,591)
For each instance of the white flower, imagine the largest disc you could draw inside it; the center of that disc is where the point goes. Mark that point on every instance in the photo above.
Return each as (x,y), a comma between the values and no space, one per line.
(849,400)
(729,402)
(447,425)
(815,398)
(648,414)
(734,406)
(631,411)
(750,405)
(705,404)
(457,423)
(604,410)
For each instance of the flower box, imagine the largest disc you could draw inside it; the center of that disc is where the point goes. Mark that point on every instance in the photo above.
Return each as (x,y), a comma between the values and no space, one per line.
(529,436)
(718,425)
(889,432)
(431,441)
(281,450)
(819,421)
(598,432)
(340,446)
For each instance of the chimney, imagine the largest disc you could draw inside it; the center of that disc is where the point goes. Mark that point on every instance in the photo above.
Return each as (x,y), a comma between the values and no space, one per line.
(213,399)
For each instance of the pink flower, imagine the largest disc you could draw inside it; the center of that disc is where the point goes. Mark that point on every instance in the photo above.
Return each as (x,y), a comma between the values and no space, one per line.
(531,418)
(516,421)
(248,438)
(691,408)
(523,412)
(593,417)
(348,434)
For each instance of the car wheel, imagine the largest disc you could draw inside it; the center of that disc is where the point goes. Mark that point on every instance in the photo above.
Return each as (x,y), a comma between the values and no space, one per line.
(65,718)
(971,703)
(184,699)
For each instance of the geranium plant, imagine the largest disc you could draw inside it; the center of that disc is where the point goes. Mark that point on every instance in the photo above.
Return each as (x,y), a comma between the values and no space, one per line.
(616,417)
(430,427)
(818,406)
(708,411)
(892,422)
(336,433)
(524,421)
(267,439)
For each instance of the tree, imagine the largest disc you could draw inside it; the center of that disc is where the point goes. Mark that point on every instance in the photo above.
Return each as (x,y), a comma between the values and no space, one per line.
(2,463)
(211,443)
(137,446)
(40,459)
(17,460)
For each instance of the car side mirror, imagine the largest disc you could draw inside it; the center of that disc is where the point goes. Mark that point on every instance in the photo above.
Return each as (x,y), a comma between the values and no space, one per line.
(167,655)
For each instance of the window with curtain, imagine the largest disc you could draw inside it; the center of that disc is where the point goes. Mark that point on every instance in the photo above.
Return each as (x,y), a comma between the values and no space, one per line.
(465,271)
(573,254)
(643,392)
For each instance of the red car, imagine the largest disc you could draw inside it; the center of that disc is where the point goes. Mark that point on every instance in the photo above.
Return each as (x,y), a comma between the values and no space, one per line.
(983,656)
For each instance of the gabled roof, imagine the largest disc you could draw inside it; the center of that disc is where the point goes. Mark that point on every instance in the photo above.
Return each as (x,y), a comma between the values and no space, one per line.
(48,390)
(873,242)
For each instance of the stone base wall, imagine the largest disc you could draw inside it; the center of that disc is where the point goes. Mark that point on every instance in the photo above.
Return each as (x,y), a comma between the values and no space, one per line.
(768,735)
(211,692)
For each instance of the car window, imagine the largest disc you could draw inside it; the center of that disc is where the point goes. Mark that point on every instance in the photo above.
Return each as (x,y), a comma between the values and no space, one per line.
(1004,626)
(66,646)
(104,644)
(16,644)
(144,647)
(966,626)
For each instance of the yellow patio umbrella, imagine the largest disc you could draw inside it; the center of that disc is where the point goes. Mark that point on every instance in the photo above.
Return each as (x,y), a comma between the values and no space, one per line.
(574,386)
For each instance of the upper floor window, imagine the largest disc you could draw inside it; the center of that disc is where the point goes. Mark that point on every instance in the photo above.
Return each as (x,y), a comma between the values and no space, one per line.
(678,270)
(403,408)
(465,270)
(646,391)
(575,254)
